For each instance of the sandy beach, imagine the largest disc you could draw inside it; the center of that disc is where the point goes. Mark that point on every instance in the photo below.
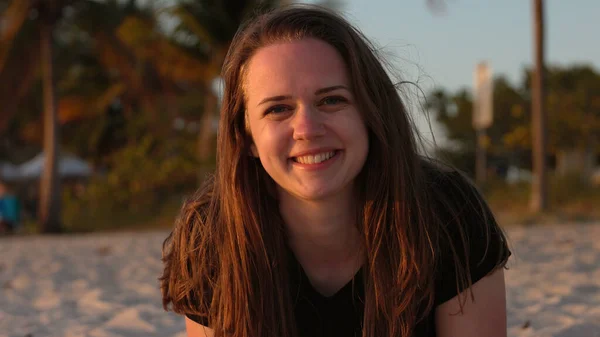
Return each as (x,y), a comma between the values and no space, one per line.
(105,285)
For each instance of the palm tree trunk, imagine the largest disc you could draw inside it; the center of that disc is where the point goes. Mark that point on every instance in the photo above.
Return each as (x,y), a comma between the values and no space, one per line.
(49,212)
(539,195)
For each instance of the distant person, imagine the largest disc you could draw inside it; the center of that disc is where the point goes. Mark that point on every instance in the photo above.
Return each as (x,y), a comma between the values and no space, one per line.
(322,219)
(9,210)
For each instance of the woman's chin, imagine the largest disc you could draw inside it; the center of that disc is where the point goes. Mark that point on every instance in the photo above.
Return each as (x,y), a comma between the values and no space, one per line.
(315,193)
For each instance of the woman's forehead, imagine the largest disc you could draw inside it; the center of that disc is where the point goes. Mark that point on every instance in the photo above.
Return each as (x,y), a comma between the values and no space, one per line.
(293,66)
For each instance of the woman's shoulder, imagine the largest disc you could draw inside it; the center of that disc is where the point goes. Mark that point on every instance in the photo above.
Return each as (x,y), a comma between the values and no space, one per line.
(471,234)
(458,203)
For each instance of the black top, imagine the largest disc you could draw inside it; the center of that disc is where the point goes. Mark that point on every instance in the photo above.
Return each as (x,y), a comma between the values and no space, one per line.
(341,314)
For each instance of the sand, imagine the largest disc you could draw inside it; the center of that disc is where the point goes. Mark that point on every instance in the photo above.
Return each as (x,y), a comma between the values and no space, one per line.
(553,284)
(105,285)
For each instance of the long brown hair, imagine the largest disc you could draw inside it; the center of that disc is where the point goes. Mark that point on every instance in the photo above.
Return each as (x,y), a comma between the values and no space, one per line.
(226,257)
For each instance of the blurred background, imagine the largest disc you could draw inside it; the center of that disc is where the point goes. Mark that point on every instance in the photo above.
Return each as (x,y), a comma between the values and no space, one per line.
(108,119)
(109,108)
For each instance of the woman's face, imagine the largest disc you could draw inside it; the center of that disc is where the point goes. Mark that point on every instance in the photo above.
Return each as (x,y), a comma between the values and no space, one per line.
(303,119)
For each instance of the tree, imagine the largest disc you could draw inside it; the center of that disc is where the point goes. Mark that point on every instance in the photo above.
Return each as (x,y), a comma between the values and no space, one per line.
(573,102)
(49,213)
(22,16)
(539,193)
(539,200)
(573,111)
(504,141)
(23,19)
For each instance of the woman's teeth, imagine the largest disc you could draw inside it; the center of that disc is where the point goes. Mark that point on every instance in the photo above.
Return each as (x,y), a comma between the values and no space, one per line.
(315,159)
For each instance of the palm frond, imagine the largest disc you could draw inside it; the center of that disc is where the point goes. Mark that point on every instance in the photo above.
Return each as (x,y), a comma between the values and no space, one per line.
(12,20)
(19,74)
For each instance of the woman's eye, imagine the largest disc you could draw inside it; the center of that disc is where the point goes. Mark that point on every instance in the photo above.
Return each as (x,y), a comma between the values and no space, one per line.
(333,100)
(276,109)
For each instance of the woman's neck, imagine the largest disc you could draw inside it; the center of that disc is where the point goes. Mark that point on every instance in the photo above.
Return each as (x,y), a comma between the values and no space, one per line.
(323,234)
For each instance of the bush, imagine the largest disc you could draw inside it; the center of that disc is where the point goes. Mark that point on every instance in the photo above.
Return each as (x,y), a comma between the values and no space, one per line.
(146,180)
(570,198)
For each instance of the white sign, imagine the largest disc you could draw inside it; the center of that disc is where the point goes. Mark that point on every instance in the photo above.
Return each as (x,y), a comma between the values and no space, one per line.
(483,97)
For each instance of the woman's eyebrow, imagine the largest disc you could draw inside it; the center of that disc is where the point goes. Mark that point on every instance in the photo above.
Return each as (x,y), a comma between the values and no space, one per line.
(274,99)
(318,92)
(328,89)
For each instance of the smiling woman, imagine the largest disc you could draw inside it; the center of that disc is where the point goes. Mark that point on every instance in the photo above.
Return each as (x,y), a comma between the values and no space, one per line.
(315,118)
(322,219)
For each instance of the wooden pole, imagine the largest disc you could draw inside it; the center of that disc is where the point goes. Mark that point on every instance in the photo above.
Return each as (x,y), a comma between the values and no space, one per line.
(539,195)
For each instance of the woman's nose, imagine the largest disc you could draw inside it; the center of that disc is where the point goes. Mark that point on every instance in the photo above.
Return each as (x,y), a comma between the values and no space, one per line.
(308,123)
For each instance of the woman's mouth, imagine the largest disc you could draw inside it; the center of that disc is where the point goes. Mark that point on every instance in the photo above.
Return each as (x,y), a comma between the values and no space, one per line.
(315,158)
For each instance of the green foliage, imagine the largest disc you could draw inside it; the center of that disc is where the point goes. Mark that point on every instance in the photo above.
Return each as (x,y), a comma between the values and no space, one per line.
(143,177)
(573,105)
(573,109)
(102,217)
(571,198)
(142,172)
(571,187)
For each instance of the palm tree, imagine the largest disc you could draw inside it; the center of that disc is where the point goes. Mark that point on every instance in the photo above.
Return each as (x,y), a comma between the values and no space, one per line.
(105,24)
(148,70)
(49,212)
(109,24)
(23,16)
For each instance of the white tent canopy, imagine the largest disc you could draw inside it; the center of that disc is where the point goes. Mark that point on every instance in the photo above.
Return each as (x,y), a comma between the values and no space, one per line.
(8,171)
(68,166)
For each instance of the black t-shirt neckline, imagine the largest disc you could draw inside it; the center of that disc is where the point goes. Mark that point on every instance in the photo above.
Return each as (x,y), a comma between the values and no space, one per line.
(339,314)
(301,280)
